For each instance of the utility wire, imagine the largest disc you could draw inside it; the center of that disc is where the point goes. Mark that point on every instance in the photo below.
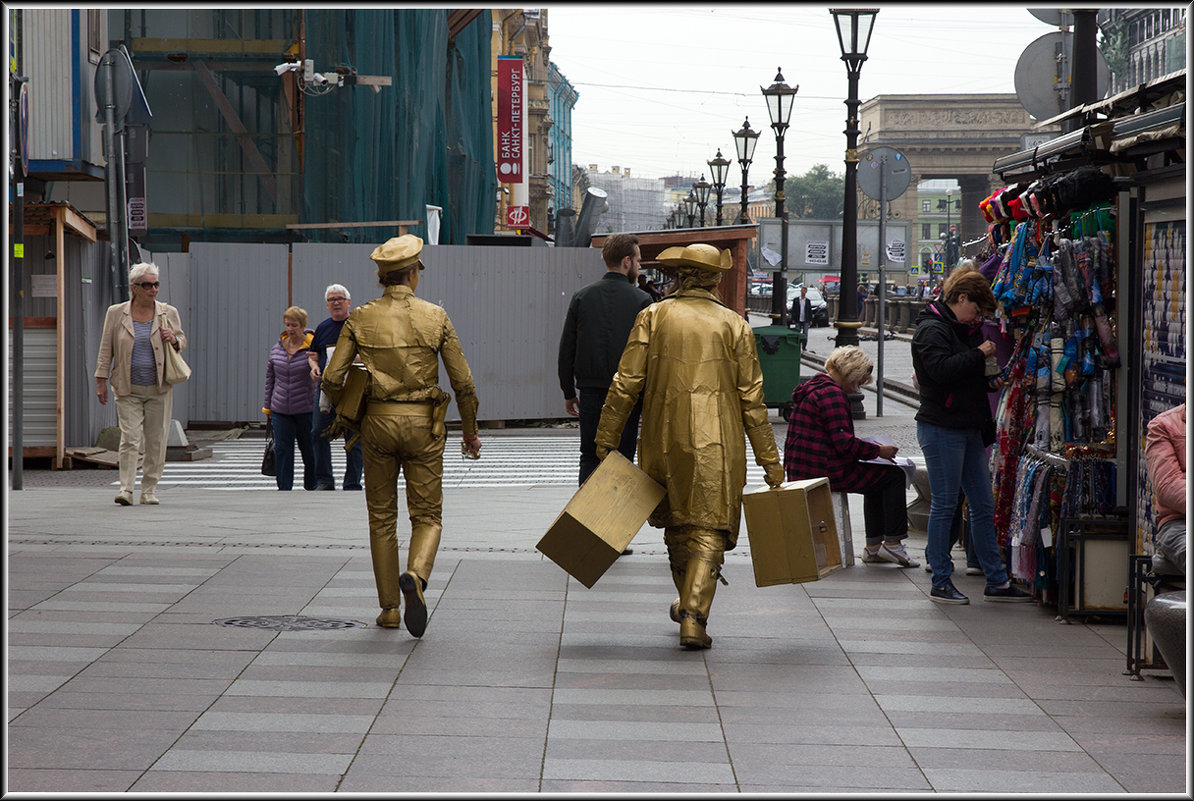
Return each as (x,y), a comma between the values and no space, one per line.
(690,91)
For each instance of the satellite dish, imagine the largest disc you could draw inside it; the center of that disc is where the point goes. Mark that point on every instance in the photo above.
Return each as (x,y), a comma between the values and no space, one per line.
(1052,16)
(1042,76)
(892,165)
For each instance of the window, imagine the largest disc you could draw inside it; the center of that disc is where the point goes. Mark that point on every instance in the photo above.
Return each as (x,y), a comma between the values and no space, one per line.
(925,205)
(940,229)
(926,230)
(95,48)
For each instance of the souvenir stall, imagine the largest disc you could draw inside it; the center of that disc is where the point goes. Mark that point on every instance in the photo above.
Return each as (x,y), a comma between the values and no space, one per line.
(1088,252)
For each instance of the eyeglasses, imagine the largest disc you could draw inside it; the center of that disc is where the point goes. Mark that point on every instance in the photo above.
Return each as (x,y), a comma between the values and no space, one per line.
(149,284)
(337,300)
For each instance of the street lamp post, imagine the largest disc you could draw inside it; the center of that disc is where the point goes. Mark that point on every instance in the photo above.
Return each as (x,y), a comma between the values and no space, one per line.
(780,98)
(702,188)
(854,27)
(719,165)
(745,140)
(690,206)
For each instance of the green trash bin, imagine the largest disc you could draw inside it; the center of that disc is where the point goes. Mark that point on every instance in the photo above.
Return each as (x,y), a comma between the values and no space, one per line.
(779,349)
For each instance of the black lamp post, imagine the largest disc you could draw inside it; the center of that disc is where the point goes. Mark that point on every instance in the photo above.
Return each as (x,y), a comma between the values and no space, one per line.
(719,165)
(690,206)
(780,99)
(702,188)
(745,140)
(854,27)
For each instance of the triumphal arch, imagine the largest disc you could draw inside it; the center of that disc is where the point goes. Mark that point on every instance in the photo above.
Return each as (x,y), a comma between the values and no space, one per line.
(949,136)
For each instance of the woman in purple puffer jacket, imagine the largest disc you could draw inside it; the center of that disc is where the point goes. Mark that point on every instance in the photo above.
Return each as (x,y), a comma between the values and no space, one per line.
(290,398)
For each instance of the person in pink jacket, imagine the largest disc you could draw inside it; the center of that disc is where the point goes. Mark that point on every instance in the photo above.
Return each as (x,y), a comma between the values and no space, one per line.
(1165,460)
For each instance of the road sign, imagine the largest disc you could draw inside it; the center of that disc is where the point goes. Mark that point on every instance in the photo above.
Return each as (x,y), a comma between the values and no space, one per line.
(518,216)
(886,160)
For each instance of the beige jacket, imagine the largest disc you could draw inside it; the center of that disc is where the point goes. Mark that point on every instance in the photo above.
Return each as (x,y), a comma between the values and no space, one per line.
(694,362)
(115,358)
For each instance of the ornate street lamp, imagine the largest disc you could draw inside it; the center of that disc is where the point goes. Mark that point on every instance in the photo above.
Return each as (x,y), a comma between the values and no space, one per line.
(745,140)
(780,99)
(702,188)
(719,165)
(680,215)
(690,206)
(854,26)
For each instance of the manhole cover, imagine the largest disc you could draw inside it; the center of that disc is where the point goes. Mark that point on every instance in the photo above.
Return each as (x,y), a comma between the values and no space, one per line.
(288,623)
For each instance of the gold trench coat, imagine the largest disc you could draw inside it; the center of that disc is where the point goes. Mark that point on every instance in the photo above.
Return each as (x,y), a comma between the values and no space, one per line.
(400,339)
(694,361)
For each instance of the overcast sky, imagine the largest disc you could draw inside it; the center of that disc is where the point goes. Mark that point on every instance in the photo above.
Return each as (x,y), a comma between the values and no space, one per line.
(662,87)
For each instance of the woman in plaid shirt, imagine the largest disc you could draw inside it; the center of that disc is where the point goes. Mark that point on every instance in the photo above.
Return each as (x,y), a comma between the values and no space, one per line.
(821,442)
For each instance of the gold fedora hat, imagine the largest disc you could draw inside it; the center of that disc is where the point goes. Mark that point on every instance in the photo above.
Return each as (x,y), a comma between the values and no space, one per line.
(704,257)
(398,253)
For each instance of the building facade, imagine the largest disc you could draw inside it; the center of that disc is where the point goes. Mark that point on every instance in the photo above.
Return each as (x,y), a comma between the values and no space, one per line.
(1142,44)
(635,204)
(562,97)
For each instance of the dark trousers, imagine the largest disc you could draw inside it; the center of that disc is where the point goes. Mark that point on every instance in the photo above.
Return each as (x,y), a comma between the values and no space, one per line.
(884,509)
(322,447)
(591,401)
(290,429)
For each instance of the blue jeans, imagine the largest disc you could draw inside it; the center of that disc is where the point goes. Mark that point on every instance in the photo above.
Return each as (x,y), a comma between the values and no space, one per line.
(591,401)
(289,429)
(956,459)
(322,447)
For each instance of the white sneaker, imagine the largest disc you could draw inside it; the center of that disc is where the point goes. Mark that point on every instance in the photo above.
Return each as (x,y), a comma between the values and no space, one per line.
(895,554)
(973,571)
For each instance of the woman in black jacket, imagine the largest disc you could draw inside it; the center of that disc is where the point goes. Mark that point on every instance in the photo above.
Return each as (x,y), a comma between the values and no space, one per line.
(954,426)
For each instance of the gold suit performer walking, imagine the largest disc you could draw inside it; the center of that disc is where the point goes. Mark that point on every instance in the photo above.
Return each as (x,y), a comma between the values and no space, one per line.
(400,339)
(694,361)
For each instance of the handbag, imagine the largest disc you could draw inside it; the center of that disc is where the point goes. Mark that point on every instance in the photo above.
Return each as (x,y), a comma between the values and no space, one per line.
(268,467)
(177,370)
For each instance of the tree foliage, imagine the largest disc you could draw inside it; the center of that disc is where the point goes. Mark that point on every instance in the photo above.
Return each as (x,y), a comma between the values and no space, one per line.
(817,194)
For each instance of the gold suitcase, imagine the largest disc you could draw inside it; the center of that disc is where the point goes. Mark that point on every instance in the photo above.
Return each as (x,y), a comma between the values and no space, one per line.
(601,519)
(792,532)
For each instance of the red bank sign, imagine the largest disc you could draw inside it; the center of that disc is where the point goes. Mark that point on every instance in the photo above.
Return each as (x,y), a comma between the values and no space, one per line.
(518,216)
(510,123)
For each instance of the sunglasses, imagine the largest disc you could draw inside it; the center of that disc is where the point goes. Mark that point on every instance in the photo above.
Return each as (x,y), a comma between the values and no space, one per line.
(149,284)
(337,300)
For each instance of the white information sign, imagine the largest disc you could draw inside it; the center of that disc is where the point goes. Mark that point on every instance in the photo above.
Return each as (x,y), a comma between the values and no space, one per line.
(45,286)
(816,253)
(895,250)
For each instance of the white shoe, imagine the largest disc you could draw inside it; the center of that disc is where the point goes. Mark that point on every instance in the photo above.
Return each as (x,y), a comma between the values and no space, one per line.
(124,498)
(148,497)
(974,571)
(895,554)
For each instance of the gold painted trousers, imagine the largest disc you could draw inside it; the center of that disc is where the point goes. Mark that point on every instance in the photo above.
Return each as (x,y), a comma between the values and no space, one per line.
(695,555)
(402,437)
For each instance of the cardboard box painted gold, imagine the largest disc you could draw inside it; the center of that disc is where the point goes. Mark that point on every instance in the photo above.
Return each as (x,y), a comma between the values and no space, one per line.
(601,519)
(793,536)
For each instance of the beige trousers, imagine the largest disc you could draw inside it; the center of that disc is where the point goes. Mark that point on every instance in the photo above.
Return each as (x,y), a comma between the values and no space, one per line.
(144,417)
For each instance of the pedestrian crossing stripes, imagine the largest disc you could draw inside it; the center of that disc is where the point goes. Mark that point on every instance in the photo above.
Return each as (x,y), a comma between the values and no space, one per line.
(506,461)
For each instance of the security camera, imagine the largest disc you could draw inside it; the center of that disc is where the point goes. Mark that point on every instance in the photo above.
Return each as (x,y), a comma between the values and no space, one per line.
(319,79)
(289,66)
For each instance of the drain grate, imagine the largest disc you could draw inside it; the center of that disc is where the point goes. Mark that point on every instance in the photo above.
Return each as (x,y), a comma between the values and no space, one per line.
(288,623)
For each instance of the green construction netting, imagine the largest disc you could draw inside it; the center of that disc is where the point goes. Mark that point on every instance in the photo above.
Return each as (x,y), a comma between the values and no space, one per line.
(424,140)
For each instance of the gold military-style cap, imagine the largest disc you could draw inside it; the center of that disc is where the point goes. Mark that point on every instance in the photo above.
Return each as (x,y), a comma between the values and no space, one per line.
(398,253)
(701,256)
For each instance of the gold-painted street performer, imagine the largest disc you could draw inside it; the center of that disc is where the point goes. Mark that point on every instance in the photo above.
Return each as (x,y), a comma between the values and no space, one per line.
(400,339)
(694,361)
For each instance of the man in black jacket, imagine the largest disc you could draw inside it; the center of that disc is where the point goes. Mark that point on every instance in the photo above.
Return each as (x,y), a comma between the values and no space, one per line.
(599,320)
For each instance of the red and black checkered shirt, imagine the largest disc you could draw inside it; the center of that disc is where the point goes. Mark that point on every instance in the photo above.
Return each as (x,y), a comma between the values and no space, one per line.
(821,441)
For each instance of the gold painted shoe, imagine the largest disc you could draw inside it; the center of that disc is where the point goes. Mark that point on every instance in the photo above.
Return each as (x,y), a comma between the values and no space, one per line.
(692,634)
(674,611)
(148,497)
(124,498)
(416,607)
(389,618)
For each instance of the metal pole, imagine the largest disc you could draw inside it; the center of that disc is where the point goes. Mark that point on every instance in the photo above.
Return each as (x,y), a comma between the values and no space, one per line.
(1084,75)
(779,282)
(847,319)
(18,294)
(743,218)
(111,177)
(882,280)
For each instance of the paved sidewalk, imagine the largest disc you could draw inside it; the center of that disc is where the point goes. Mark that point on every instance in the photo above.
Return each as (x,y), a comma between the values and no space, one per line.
(120,679)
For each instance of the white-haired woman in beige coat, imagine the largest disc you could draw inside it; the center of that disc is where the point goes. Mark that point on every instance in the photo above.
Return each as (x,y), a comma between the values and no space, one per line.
(132,358)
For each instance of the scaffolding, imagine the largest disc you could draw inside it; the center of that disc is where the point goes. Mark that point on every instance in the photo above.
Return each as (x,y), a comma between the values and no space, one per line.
(635,204)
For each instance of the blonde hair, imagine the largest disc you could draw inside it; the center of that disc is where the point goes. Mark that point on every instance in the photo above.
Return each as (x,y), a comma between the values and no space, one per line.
(296,314)
(851,364)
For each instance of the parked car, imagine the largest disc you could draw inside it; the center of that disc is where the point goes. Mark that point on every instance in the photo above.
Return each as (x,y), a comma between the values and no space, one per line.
(820,307)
